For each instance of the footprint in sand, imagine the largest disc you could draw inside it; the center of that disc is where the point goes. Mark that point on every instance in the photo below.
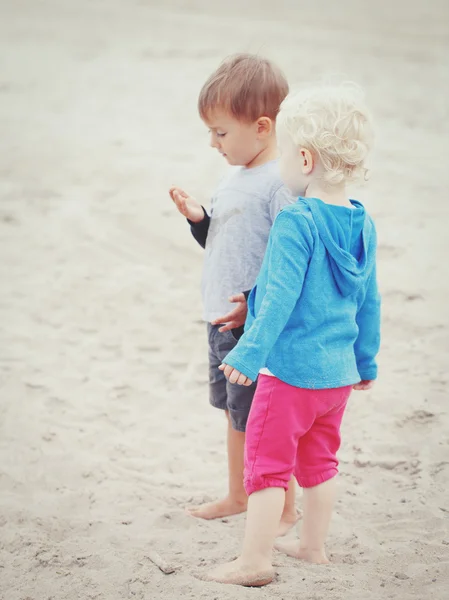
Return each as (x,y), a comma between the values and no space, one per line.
(174,520)
(418,417)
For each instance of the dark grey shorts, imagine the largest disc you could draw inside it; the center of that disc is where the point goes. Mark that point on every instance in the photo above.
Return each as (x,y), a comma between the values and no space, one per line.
(234,398)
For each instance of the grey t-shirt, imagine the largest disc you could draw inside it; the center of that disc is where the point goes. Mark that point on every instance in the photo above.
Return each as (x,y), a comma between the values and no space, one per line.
(243,209)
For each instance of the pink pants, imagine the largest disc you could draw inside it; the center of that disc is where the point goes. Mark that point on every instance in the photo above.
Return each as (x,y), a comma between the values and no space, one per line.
(292,430)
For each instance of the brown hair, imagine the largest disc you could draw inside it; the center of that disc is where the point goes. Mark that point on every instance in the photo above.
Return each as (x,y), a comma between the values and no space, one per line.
(245,85)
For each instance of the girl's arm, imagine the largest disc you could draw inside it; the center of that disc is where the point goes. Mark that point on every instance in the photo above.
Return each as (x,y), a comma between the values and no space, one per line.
(289,252)
(367,344)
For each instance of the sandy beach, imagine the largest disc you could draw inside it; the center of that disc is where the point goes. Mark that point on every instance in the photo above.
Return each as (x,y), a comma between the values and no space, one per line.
(106,433)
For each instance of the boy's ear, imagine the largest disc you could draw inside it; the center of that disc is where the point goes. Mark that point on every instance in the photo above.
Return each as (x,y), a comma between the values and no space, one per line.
(265,126)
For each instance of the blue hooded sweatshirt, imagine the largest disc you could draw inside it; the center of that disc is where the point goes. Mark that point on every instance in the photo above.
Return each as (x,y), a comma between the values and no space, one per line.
(314,313)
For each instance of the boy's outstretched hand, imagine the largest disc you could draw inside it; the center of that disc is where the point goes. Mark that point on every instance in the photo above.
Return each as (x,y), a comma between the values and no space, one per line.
(234,376)
(365,384)
(237,316)
(187,206)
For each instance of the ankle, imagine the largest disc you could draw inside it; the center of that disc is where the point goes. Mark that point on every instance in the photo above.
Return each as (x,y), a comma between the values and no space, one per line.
(256,560)
(238,498)
(317,553)
(289,513)
(310,548)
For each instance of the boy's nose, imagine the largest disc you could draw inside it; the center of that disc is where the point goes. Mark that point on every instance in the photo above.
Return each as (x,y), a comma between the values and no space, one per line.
(213,141)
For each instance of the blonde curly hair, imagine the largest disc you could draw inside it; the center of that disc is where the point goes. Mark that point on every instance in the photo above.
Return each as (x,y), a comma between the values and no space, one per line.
(333,123)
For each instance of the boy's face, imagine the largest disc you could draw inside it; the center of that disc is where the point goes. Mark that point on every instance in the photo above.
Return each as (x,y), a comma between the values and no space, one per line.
(291,164)
(239,142)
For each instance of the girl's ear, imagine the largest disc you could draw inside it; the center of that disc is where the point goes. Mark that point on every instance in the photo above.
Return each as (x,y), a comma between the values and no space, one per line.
(307,162)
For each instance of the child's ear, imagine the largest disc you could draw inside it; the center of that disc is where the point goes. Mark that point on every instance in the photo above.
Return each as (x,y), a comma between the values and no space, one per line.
(265,126)
(307,162)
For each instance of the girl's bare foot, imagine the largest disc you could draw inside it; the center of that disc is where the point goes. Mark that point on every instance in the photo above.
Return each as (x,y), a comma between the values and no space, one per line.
(237,573)
(218,509)
(293,548)
(288,520)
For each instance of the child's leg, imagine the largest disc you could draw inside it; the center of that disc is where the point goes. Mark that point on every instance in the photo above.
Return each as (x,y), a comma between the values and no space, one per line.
(290,514)
(264,511)
(270,454)
(236,401)
(236,452)
(236,500)
(316,472)
(318,506)
(253,567)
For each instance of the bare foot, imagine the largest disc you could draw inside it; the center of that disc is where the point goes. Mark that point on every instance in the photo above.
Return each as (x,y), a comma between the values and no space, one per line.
(218,509)
(293,548)
(236,573)
(287,522)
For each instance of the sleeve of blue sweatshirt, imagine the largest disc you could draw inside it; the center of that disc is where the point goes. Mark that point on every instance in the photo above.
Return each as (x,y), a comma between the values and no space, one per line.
(368,341)
(290,249)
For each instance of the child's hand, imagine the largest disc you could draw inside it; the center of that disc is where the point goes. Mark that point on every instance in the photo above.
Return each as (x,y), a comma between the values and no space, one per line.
(234,376)
(237,316)
(186,205)
(365,384)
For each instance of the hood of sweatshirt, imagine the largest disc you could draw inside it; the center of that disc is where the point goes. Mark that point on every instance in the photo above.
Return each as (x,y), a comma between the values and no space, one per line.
(350,240)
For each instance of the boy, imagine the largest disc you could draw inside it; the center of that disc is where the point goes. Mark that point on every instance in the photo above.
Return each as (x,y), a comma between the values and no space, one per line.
(239,104)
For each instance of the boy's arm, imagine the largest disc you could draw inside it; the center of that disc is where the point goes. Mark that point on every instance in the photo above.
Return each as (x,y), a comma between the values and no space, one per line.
(367,344)
(290,251)
(235,319)
(192,210)
(199,230)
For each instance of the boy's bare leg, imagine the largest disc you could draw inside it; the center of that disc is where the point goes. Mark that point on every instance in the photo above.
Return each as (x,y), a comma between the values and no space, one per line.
(236,501)
(254,566)
(318,503)
(290,514)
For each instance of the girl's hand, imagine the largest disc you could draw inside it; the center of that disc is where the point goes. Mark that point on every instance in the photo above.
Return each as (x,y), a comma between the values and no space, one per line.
(365,384)
(237,316)
(186,205)
(234,376)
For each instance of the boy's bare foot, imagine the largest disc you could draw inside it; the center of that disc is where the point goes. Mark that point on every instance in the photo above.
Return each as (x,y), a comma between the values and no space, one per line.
(293,548)
(237,573)
(287,522)
(218,509)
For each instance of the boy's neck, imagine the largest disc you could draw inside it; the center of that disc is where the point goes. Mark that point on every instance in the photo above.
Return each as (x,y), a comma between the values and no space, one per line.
(266,155)
(336,195)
